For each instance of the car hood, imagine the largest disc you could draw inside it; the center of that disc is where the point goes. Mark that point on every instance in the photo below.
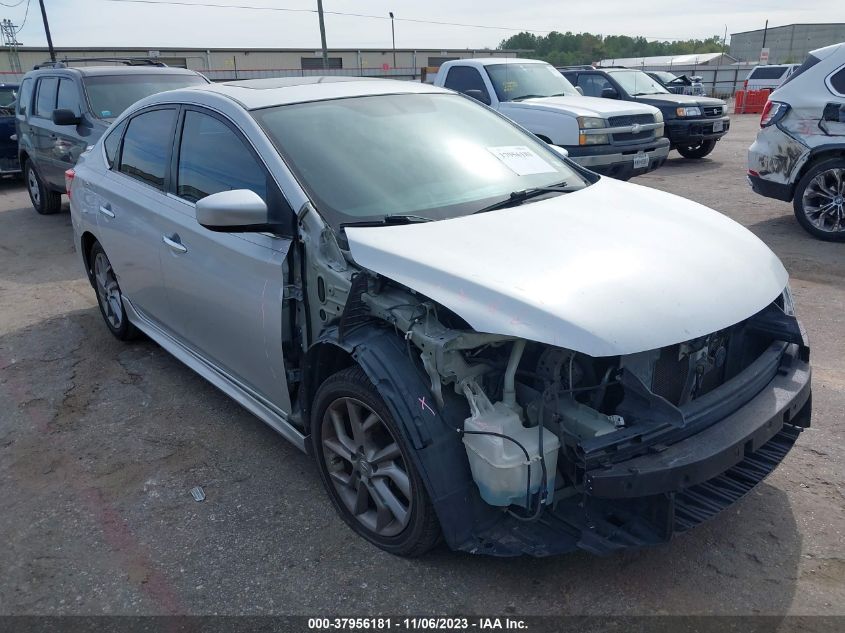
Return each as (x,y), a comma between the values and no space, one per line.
(671,99)
(579,106)
(614,268)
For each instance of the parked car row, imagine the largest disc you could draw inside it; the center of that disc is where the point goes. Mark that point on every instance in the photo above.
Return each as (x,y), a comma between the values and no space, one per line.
(478,337)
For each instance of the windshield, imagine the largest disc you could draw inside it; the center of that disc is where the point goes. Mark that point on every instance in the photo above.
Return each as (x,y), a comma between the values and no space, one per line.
(436,156)
(636,82)
(109,95)
(8,95)
(664,76)
(513,82)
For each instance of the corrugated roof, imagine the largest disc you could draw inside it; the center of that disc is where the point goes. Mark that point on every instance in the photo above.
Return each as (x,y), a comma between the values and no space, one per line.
(664,60)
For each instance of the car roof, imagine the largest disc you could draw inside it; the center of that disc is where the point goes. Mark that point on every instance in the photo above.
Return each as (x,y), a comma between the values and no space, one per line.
(263,93)
(114,70)
(492,61)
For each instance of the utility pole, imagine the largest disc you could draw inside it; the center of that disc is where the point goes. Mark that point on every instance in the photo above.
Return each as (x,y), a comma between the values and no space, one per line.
(322,34)
(719,63)
(47,31)
(765,32)
(393,34)
(10,40)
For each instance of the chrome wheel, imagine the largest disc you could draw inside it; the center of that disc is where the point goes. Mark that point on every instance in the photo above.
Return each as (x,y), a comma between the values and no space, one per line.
(108,292)
(33,186)
(823,201)
(366,467)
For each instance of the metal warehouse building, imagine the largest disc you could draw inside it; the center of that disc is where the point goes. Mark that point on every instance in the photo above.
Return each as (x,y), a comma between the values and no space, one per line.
(786,44)
(220,64)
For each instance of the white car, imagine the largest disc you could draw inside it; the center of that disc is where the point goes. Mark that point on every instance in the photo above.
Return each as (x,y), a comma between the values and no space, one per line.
(474,337)
(769,76)
(621,139)
(799,153)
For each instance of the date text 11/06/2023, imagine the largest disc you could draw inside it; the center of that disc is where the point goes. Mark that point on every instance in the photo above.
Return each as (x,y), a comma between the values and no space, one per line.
(416,624)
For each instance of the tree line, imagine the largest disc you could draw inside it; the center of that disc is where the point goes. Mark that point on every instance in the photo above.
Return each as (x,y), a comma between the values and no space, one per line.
(567,49)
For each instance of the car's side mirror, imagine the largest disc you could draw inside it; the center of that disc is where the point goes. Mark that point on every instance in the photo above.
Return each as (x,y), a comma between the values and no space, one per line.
(834,112)
(609,93)
(580,90)
(235,211)
(65,117)
(478,95)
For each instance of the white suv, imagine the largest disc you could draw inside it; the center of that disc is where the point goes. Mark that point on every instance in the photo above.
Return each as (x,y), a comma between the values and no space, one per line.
(799,153)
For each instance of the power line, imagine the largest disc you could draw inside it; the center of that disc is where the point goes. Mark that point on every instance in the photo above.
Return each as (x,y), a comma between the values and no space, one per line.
(214,5)
(341,13)
(25,16)
(17,4)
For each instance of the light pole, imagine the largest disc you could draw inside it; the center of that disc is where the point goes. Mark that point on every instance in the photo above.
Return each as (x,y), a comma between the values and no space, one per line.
(323,34)
(393,34)
(47,31)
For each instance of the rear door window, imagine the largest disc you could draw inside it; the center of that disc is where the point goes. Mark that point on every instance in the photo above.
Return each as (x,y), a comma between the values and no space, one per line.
(112,143)
(214,158)
(146,146)
(837,81)
(45,101)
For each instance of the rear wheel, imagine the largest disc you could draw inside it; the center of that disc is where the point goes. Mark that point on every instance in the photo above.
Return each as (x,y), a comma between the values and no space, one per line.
(819,201)
(366,466)
(697,151)
(109,297)
(44,200)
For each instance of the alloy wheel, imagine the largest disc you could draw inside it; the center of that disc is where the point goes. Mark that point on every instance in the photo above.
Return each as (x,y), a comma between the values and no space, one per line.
(108,292)
(32,185)
(824,200)
(366,467)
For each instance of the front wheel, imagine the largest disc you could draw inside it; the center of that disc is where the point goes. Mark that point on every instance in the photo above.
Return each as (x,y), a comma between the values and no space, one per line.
(45,201)
(819,201)
(697,151)
(365,465)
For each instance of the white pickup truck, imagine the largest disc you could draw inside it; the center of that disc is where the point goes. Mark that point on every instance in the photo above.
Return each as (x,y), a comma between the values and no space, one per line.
(615,138)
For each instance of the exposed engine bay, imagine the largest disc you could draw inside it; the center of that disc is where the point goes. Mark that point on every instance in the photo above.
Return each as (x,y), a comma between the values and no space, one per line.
(539,416)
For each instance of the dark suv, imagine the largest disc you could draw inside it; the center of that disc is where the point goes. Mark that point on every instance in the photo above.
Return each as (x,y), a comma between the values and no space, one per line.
(61,111)
(692,123)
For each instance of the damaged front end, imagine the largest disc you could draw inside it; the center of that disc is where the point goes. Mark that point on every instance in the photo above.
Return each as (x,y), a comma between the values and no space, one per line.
(528,448)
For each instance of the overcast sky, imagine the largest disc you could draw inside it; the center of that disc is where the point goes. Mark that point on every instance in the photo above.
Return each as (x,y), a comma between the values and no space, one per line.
(110,23)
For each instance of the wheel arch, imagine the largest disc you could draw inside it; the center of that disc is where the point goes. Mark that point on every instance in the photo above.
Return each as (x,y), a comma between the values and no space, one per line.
(86,243)
(817,155)
(438,452)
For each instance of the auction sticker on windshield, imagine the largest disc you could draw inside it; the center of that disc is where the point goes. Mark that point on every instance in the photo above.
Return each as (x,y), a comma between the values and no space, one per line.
(521,160)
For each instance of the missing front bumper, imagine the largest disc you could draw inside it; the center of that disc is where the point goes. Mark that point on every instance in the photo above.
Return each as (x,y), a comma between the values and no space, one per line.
(645,500)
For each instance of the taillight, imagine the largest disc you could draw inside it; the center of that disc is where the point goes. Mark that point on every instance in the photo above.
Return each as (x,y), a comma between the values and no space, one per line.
(70,174)
(773,112)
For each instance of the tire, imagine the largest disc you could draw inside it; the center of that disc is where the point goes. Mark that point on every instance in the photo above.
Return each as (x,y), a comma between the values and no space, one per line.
(369,471)
(819,200)
(44,200)
(697,151)
(109,297)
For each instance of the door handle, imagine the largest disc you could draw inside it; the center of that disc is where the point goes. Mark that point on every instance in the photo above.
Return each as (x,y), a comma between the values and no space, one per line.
(106,211)
(175,245)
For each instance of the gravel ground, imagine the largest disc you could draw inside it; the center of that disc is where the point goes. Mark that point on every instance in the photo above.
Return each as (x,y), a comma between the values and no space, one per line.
(100,443)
